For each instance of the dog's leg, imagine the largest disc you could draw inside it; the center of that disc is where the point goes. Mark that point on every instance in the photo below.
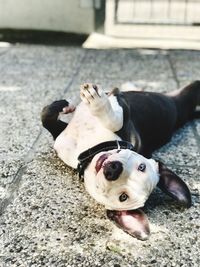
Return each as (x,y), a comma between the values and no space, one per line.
(106,109)
(187,100)
(49,116)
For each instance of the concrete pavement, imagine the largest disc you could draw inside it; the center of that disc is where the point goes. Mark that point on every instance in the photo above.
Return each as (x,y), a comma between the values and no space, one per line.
(47,218)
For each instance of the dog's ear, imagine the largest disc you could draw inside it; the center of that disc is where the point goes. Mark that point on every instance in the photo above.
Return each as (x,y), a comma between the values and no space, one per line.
(172,185)
(133,222)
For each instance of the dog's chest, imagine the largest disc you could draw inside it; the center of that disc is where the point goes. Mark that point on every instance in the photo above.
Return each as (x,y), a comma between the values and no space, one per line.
(83,131)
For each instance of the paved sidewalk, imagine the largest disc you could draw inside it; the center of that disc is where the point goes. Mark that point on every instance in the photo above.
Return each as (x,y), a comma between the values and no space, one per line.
(47,217)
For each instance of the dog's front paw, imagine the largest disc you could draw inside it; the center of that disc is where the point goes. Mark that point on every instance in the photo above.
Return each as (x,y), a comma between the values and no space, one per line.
(91,94)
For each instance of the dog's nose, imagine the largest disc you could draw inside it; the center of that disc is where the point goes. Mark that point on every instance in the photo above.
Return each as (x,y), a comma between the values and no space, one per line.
(112,170)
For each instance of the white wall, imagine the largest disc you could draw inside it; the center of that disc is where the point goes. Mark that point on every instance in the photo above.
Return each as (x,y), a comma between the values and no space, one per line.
(57,15)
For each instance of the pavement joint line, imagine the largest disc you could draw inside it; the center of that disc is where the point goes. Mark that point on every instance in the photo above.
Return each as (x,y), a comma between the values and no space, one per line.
(196,135)
(13,188)
(173,69)
(75,73)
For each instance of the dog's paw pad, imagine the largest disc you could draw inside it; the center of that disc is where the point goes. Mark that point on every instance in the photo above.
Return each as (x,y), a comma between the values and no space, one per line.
(89,93)
(68,109)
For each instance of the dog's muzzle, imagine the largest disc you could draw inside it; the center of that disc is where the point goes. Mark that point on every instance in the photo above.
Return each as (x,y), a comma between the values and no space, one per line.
(111,170)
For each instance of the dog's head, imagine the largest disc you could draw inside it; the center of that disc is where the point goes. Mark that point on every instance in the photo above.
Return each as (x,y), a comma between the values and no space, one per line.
(122,181)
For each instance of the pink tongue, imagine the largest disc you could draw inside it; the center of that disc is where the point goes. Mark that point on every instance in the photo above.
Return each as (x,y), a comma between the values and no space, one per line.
(127,220)
(134,222)
(100,162)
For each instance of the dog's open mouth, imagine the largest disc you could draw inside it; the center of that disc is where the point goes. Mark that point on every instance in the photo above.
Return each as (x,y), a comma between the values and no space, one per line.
(100,161)
(134,222)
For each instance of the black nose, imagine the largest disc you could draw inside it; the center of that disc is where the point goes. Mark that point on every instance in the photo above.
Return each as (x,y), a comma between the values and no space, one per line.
(112,170)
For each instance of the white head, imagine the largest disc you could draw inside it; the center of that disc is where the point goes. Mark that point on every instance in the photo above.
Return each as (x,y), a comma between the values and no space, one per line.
(121,179)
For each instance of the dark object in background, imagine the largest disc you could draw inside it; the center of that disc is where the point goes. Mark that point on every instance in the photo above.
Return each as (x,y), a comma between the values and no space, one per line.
(42,37)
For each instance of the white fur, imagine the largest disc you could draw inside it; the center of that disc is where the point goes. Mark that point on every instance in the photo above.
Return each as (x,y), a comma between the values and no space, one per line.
(93,122)
(138,185)
(106,109)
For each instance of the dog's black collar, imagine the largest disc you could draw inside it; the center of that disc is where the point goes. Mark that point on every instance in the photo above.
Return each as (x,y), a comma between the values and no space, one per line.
(86,157)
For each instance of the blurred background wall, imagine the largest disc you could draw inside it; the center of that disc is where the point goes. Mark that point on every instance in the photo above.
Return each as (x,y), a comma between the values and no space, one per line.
(76,16)
(133,23)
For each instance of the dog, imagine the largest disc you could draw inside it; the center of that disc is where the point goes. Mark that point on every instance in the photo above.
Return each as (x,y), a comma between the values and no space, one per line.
(110,140)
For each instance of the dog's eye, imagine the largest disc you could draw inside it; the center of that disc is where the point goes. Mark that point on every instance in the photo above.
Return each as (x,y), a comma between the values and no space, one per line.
(142,167)
(123,197)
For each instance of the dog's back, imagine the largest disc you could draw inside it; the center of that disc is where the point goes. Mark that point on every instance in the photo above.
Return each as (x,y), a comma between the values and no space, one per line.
(156,116)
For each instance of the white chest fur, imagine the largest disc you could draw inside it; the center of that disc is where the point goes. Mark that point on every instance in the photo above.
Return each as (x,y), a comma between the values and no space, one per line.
(83,131)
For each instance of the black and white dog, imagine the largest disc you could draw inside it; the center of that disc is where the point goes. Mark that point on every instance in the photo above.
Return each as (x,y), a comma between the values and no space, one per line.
(110,139)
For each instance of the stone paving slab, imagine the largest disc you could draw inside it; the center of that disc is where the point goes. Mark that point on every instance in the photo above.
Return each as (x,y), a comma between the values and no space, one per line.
(30,77)
(149,69)
(49,219)
(53,222)
(186,65)
(184,148)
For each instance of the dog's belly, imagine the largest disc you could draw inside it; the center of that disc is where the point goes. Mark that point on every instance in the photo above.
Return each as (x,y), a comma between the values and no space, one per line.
(83,131)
